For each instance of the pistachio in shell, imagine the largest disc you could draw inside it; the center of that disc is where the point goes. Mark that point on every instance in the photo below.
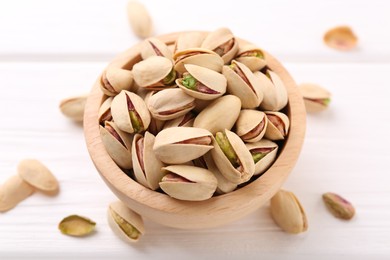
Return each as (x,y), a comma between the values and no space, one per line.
(278,126)
(114,80)
(251,56)
(274,91)
(105,111)
(197,56)
(73,107)
(37,175)
(184,120)
(13,191)
(75,225)
(263,153)
(316,98)
(155,47)
(251,125)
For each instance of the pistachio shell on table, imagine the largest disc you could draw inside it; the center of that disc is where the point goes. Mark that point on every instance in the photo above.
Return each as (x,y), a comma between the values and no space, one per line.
(263,153)
(338,206)
(251,125)
(316,98)
(130,112)
(197,56)
(75,225)
(341,38)
(190,183)
(251,56)
(114,80)
(73,107)
(105,111)
(37,175)
(273,89)
(178,145)
(139,19)
(189,40)
(155,47)
(278,126)
(202,83)
(13,191)
(184,120)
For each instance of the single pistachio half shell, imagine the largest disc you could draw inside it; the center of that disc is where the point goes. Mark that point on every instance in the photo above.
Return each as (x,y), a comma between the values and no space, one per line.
(73,107)
(114,80)
(155,47)
(338,206)
(274,90)
(37,175)
(139,19)
(178,145)
(75,225)
(278,126)
(124,222)
(316,98)
(263,153)
(251,125)
(184,120)
(197,56)
(105,111)
(13,191)
(288,213)
(251,56)
(189,40)
(190,183)
(341,38)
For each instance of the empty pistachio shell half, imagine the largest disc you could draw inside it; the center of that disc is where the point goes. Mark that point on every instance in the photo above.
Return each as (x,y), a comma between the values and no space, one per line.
(251,125)
(288,213)
(315,97)
(77,226)
(197,56)
(13,191)
(341,38)
(139,19)
(178,145)
(125,223)
(278,126)
(191,183)
(114,80)
(184,120)
(105,111)
(129,112)
(74,107)
(222,42)
(275,93)
(37,175)
(251,56)
(155,47)
(263,153)
(232,157)
(338,206)
(189,40)
(202,83)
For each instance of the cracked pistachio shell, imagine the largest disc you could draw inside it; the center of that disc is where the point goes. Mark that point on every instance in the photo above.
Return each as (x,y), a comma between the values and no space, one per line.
(189,40)
(316,98)
(219,115)
(114,80)
(129,112)
(186,120)
(190,183)
(251,125)
(222,42)
(13,191)
(77,226)
(251,56)
(146,166)
(73,107)
(209,83)
(264,146)
(278,126)
(288,213)
(171,103)
(150,72)
(178,145)
(245,86)
(37,175)
(117,144)
(124,222)
(105,111)
(246,168)
(155,47)
(197,56)
(275,93)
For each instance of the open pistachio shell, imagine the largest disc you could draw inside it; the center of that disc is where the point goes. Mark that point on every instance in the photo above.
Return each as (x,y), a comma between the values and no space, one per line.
(197,56)
(127,224)
(73,107)
(251,125)
(242,83)
(105,111)
(13,191)
(278,126)
(168,104)
(275,93)
(117,143)
(202,83)
(155,47)
(219,115)
(184,120)
(232,157)
(263,153)
(251,56)
(189,40)
(114,80)
(190,183)
(129,112)
(177,145)
(77,226)
(341,38)
(316,98)
(222,42)
(146,166)
(37,175)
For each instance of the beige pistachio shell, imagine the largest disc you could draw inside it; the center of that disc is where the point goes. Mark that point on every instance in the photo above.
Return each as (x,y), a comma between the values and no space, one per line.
(197,56)
(118,146)
(155,126)
(75,225)
(250,94)
(13,191)
(247,166)
(151,71)
(213,84)
(190,183)
(178,145)
(105,111)
(247,56)
(124,222)
(189,40)
(114,80)
(275,93)
(73,107)
(316,98)
(251,125)
(129,112)
(219,115)
(222,41)
(168,104)
(265,162)
(155,47)
(139,19)
(186,120)
(341,38)
(146,166)
(278,126)
(37,175)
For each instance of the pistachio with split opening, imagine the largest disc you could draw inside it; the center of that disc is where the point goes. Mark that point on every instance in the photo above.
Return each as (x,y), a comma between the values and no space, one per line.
(114,80)
(275,93)
(222,42)
(316,98)
(184,120)
(278,126)
(252,56)
(251,125)
(197,56)
(338,206)
(155,47)
(105,111)
(263,153)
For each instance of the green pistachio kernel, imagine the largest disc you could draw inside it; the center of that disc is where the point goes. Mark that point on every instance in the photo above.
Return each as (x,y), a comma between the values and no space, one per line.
(189,82)
(227,148)
(170,78)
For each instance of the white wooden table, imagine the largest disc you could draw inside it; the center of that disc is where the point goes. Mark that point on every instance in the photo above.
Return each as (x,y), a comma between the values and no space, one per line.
(50,50)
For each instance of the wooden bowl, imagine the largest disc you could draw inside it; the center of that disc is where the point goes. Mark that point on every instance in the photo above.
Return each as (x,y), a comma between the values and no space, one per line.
(218,210)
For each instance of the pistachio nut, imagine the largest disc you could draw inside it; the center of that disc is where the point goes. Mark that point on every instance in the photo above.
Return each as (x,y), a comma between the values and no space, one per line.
(275,93)
(263,153)
(117,143)
(222,42)
(251,56)
(77,226)
(114,80)
(129,112)
(139,19)
(242,83)
(154,73)
(251,125)
(170,103)
(155,47)
(13,191)
(124,222)
(288,213)
(178,145)
(189,40)
(184,120)
(338,206)
(37,175)
(155,126)
(74,107)
(146,166)
(105,111)
(315,97)
(202,83)
(191,183)
(197,56)
(232,157)
(278,126)
(341,38)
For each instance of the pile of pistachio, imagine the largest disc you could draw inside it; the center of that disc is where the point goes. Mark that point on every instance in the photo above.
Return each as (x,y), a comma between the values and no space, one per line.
(194,119)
